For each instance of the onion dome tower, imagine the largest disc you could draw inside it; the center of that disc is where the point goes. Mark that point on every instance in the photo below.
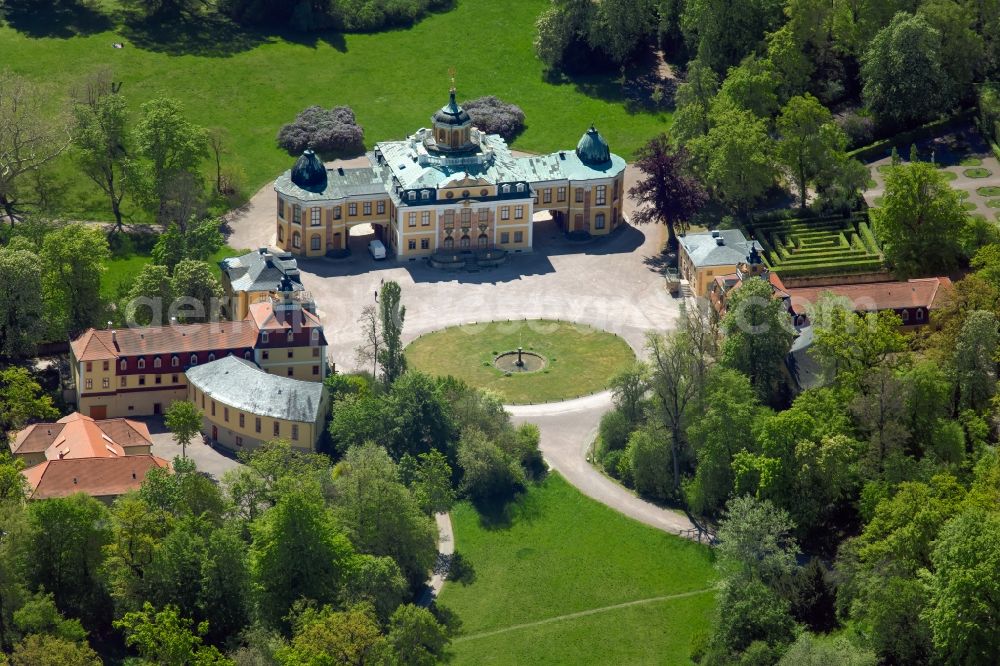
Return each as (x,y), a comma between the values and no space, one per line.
(309,172)
(593,149)
(452,126)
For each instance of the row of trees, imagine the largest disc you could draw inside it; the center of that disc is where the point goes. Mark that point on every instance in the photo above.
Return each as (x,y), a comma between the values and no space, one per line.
(153,161)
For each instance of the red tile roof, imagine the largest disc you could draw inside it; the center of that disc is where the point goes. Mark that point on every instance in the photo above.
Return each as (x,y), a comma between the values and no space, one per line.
(267,319)
(917,293)
(79,436)
(97,477)
(152,340)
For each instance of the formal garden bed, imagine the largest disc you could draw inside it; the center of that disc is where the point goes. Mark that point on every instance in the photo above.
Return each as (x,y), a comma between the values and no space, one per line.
(555,552)
(575,359)
(819,246)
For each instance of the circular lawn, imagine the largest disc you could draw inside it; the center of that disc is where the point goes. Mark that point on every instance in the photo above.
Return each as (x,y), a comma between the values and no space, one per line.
(578,359)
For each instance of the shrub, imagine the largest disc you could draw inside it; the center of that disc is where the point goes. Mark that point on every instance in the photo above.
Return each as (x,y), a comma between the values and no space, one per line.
(860,130)
(323,130)
(614,430)
(649,455)
(611,461)
(489,473)
(494,116)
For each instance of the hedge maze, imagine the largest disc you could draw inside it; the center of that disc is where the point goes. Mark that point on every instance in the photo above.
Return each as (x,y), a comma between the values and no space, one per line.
(818,246)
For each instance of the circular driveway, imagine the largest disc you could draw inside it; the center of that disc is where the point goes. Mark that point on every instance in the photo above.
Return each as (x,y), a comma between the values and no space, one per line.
(613,283)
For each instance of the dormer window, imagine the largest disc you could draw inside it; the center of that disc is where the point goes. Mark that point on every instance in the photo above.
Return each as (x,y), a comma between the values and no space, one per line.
(905,315)
(412,196)
(505,189)
(920,314)
(425,195)
(315,335)
(174,362)
(124,364)
(211,357)
(156,362)
(291,336)
(520,187)
(246,355)
(194,359)
(142,363)
(265,336)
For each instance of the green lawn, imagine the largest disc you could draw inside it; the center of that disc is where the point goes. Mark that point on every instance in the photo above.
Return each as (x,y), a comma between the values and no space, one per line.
(251,84)
(563,553)
(121,270)
(580,359)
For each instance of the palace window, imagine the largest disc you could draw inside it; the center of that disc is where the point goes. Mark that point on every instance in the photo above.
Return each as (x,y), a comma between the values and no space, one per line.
(337,212)
(547,195)
(296,214)
(174,379)
(106,382)
(281,234)
(142,364)
(213,408)
(315,349)
(295,432)
(518,212)
(352,210)
(239,440)
(465,242)
(243,419)
(123,382)
(425,218)
(225,414)
(142,380)
(560,194)
(518,236)
(466,216)
(291,353)
(256,424)
(90,366)
(412,244)
(315,219)
(296,239)
(449,243)
(265,354)
(411,219)
(380,207)
(367,207)
(601,197)
(88,383)
(157,379)
(449,218)
(599,221)
(484,215)
(579,195)
(315,242)
(504,237)
(425,244)
(281,208)
(315,370)
(504,212)
(288,371)
(107,366)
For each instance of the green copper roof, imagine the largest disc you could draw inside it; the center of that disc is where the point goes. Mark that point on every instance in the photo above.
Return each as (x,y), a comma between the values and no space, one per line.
(451,113)
(592,148)
(309,172)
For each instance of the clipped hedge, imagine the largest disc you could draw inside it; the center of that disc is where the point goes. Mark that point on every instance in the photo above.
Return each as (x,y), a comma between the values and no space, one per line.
(883,147)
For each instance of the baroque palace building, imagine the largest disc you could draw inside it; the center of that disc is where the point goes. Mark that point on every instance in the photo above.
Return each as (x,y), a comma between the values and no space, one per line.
(449,188)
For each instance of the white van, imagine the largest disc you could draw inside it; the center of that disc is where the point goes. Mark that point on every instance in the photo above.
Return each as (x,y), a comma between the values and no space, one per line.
(376,249)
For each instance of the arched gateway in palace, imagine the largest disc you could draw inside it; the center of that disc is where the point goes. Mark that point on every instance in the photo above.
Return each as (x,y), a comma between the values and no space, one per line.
(449,187)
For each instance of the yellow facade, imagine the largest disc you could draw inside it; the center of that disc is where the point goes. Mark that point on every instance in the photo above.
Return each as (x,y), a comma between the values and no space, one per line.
(240,430)
(313,229)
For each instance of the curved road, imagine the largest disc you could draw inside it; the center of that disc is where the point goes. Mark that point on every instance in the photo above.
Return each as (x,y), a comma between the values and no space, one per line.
(613,284)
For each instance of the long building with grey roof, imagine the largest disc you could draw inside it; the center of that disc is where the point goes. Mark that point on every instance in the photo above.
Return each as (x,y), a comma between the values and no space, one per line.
(243,406)
(449,188)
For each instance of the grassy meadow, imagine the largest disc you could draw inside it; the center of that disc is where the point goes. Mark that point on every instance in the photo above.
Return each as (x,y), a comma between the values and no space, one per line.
(250,83)
(556,552)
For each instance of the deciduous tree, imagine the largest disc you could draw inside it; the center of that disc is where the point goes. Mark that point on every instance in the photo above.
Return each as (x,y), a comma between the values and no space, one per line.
(391,316)
(172,144)
(758,335)
(22,311)
(184,420)
(810,144)
(668,193)
(72,260)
